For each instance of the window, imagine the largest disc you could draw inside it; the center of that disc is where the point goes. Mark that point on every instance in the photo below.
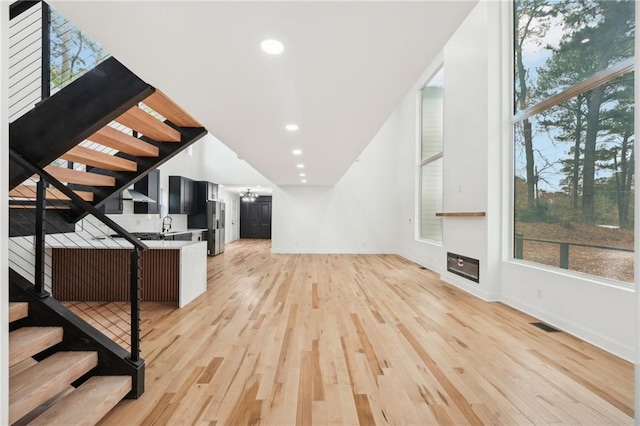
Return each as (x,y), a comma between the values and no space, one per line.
(431,130)
(574,135)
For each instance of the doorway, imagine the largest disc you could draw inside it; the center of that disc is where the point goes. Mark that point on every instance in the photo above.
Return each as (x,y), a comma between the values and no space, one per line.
(255,219)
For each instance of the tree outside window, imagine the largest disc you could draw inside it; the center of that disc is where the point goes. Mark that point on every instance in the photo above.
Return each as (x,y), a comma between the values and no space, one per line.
(574,135)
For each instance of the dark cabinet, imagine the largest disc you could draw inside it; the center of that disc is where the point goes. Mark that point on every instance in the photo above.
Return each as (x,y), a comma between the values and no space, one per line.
(205,191)
(181,195)
(149,186)
(112,205)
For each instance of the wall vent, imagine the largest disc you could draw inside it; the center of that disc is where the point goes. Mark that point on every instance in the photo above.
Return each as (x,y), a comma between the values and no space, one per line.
(545,327)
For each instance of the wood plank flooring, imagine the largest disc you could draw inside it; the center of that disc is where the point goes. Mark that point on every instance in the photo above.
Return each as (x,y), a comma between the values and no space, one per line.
(361,339)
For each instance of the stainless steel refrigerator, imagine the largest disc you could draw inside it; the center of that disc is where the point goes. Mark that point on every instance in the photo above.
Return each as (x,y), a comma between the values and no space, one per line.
(213,220)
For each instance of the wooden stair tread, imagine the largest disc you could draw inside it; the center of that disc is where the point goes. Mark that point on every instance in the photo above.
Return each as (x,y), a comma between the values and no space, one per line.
(82,178)
(91,157)
(138,120)
(18,310)
(162,104)
(88,403)
(28,341)
(34,386)
(113,138)
(29,191)
(21,366)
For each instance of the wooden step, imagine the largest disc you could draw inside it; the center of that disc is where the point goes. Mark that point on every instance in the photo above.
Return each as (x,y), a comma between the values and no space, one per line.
(162,104)
(87,404)
(29,191)
(21,366)
(114,138)
(34,386)
(81,178)
(18,310)
(28,341)
(91,157)
(140,121)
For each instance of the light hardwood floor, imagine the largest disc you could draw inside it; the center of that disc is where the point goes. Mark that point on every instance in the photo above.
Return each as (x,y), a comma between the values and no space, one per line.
(369,339)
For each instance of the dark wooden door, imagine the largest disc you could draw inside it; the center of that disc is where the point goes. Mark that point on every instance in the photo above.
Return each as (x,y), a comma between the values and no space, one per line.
(255,219)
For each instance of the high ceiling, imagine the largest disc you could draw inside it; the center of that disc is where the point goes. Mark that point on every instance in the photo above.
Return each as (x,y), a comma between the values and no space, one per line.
(344,68)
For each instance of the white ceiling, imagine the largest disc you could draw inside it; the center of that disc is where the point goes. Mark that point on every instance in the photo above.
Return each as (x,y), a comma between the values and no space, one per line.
(345,67)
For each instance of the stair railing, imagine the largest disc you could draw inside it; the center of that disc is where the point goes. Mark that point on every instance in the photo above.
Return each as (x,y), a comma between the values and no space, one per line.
(47,52)
(32,255)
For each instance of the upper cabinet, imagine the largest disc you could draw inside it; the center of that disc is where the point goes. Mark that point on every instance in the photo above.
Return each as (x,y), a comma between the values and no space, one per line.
(205,191)
(181,195)
(149,186)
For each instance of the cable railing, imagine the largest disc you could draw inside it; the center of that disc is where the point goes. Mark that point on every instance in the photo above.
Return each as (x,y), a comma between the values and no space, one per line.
(47,52)
(25,61)
(94,275)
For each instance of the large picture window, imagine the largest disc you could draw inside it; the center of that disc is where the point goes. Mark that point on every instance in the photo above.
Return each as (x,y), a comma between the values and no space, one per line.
(431,130)
(574,135)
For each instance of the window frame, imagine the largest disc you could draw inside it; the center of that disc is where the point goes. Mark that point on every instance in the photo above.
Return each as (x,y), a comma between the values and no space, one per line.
(422,163)
(514,116)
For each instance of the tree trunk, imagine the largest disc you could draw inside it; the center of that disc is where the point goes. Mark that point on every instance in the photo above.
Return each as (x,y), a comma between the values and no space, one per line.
(527,133)
(626,177)
(575,181)
(589,169)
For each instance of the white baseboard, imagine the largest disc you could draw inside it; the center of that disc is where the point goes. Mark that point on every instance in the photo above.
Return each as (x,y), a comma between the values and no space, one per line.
(603,342)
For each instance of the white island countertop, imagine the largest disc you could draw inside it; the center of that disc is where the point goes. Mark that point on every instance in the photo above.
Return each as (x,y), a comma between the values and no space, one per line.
(84,241)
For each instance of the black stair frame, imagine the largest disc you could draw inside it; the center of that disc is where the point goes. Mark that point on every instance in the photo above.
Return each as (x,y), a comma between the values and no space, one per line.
(67,118)
(78,334)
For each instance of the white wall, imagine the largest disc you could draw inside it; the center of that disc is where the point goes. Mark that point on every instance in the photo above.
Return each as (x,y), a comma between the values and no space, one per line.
(477,175)
(357,215)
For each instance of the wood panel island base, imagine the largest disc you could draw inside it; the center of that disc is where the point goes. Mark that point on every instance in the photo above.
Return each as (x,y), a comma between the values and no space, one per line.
(172,271)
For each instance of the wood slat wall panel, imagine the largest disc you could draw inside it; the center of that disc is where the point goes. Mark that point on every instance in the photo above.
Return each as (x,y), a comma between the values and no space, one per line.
(95,275)
(90,275)
(160,275)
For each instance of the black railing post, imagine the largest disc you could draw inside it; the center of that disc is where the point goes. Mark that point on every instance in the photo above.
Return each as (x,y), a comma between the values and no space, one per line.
(519,243)
(46,52)
(564,255)
(39,237)
(134,295)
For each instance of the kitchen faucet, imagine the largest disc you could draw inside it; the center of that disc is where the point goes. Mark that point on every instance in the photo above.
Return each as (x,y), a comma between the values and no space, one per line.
(166,228)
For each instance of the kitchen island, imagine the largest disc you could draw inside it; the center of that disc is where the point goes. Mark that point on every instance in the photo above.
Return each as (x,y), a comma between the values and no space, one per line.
(99,269)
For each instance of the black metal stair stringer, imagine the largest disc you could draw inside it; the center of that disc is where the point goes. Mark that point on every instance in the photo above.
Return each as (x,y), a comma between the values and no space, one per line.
(65,119)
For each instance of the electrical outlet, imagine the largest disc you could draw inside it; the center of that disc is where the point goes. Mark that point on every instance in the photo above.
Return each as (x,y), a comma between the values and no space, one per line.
(539,293)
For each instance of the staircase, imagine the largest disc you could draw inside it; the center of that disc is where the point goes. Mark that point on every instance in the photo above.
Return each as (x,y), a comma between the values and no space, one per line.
(69,154)
(116,129)
(41,391)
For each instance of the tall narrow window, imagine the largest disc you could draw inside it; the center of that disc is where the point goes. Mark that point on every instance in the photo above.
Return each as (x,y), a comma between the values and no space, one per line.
(574,135)
(431,128)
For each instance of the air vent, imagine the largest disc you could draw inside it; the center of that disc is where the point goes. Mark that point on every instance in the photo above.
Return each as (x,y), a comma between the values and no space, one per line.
(545,327)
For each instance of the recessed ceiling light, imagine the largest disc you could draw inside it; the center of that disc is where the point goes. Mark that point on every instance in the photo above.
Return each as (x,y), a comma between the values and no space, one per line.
(291,127)
(304,181)
(302,174)
(297,152)
(272,46)
(300,166)
(258,186)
